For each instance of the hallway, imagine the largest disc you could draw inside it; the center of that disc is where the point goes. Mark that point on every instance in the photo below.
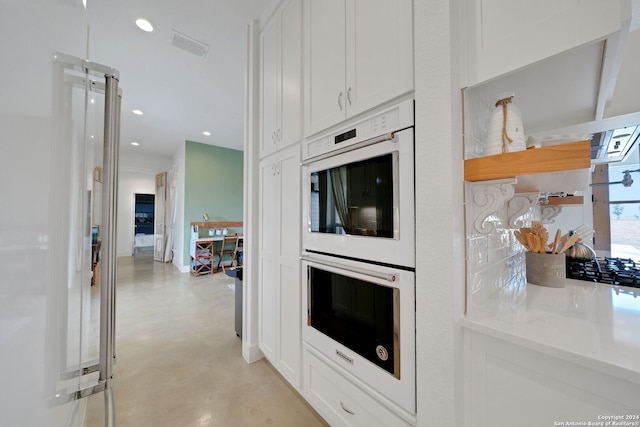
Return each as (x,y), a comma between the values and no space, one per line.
(179,361)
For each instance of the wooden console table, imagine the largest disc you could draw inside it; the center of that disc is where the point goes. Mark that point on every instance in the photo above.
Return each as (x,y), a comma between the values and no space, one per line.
(202,249)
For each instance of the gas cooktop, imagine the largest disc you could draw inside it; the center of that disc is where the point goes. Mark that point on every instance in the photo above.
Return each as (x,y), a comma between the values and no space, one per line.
(612,271)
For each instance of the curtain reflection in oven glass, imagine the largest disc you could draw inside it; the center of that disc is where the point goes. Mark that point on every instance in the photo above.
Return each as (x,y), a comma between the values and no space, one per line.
(356,198)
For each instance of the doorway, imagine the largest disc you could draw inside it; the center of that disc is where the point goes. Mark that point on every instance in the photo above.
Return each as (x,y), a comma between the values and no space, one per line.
(144,208)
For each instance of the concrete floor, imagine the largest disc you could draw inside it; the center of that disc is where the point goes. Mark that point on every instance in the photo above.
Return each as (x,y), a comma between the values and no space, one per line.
(179,361)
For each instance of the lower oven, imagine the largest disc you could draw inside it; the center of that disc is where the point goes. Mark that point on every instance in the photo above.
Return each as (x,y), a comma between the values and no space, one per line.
(362,317)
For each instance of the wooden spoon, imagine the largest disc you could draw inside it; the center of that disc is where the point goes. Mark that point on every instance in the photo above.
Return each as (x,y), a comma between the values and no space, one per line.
(543,235)
(534,242)
(554,246)
(521,239)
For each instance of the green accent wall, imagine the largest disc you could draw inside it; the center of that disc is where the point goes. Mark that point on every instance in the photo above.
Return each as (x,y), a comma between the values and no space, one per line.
(213,184)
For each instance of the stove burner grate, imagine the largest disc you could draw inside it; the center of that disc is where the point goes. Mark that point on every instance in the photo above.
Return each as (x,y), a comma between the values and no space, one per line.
(613,271)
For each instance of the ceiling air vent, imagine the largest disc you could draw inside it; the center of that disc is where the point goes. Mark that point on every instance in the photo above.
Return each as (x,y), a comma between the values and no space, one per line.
(189,44)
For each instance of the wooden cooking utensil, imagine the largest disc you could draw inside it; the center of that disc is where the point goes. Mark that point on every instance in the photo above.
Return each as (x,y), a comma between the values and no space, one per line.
(556,239)
(534,242)
(566,245)
(543,234)
(521,239)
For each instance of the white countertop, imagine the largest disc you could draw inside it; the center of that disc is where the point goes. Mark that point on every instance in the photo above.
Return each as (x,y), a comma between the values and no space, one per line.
(592,324)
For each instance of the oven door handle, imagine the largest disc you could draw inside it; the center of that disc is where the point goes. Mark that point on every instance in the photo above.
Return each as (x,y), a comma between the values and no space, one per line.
(391,136)
(390,277)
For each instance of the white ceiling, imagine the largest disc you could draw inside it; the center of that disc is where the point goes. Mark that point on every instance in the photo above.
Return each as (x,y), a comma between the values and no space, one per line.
(181,94)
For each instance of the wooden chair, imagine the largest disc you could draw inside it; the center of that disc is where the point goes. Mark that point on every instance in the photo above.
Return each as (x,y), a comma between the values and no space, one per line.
(229,247)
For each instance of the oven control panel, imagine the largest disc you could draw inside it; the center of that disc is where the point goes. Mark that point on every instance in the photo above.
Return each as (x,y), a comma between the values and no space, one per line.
(390,120)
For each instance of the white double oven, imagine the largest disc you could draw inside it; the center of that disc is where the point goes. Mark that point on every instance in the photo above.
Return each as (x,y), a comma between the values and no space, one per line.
(359,250)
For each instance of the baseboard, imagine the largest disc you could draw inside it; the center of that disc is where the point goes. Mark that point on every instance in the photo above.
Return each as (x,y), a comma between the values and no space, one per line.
(183,268)
(251,352)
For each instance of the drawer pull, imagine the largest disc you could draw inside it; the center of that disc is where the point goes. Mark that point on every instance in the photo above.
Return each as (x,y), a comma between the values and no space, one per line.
(345,409)
(344,356)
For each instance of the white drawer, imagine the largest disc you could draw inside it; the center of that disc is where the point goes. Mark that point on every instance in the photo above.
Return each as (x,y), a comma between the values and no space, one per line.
(341,402)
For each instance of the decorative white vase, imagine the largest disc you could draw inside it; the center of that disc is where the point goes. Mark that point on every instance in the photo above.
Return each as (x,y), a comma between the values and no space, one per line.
(505,133)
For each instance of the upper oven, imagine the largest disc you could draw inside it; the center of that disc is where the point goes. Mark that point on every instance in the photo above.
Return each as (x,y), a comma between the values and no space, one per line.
(358,190)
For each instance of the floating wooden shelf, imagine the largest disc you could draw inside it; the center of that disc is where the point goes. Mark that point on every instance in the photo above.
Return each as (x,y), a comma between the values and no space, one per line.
(566,201)
(572,155)
(217,224)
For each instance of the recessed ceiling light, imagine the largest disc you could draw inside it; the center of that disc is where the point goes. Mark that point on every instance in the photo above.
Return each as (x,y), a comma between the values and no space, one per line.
(206,133)
(144,25)
(135,143)
(137,112)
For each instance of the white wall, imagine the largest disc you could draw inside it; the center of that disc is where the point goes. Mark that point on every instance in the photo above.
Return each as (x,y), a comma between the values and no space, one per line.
(177,163)
(136,175)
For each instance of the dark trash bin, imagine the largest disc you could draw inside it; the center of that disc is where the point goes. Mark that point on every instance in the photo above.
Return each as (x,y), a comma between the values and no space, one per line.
(237,274)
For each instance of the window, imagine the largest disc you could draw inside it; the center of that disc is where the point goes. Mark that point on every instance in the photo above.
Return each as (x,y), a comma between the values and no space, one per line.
(624,209)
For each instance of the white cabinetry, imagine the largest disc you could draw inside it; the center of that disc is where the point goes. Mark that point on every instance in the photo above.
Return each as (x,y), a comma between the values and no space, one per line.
(280,75)
(358,55)
(279,263)
(341,402)
(505,35)
(512,385)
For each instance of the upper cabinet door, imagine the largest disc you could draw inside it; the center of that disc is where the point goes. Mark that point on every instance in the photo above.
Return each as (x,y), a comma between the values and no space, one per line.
(325,65)
(379,52)
(280,78)
(291,74)
(505,35)
(358,55)
(269,88)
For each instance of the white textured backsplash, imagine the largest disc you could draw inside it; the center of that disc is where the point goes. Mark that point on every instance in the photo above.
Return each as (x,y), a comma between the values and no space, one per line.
(495,260)
(476,118)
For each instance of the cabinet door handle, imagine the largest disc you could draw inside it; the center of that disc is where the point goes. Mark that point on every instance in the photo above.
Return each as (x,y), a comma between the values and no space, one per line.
(347,410)
(340,100)
(349,95)
(279,135)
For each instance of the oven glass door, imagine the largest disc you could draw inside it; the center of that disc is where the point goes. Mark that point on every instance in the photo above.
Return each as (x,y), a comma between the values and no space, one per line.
(356,198)
(359,204)
(358,314)
(360,317)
